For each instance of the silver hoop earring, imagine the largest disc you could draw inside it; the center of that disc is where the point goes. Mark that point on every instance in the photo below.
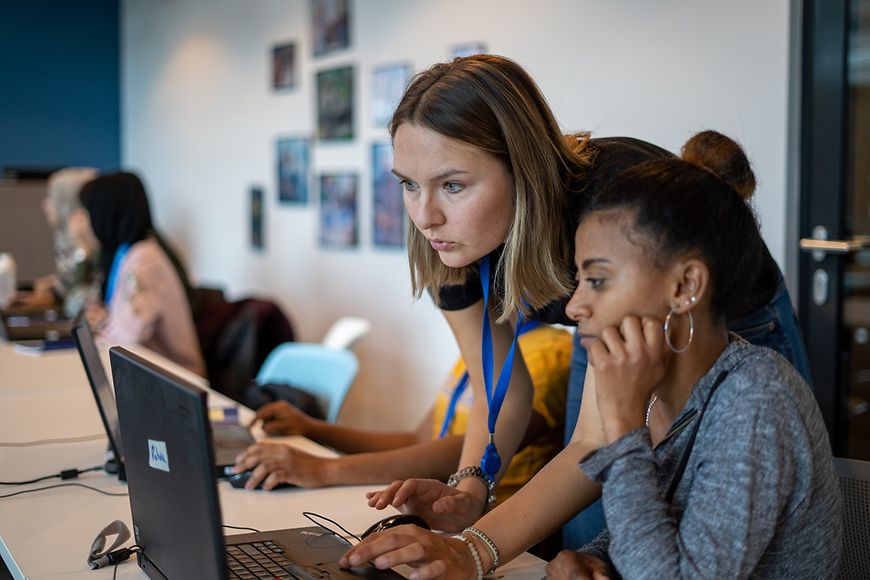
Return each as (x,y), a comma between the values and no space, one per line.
(668,331)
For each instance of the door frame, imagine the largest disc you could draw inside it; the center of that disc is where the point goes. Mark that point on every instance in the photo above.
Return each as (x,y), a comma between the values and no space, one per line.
(822,182)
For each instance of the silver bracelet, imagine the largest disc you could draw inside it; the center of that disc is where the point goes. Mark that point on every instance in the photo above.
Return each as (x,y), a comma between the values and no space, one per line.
(477,563)
(476,472)
(490,545)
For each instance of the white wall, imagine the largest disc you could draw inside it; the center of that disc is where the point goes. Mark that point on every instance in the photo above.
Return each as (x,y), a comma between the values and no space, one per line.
(200,123)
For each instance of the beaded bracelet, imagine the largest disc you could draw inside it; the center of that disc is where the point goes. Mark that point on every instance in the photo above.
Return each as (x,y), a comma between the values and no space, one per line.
(490,545)
(477,563)
(476,472)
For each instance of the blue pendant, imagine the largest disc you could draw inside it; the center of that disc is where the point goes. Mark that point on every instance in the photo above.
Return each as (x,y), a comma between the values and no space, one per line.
(491,461)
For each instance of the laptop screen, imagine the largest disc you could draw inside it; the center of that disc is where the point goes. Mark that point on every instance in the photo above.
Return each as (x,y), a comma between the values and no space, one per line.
(49,324)
(169,459)
(100,385)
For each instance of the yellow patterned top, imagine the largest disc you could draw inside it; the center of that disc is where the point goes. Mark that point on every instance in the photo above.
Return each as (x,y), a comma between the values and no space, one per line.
(547,353)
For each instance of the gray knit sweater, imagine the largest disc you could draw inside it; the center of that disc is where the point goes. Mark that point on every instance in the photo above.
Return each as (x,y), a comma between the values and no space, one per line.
(759,497)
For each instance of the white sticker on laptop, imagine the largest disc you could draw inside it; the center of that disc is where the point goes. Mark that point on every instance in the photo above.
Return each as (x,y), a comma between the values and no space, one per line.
(157,456)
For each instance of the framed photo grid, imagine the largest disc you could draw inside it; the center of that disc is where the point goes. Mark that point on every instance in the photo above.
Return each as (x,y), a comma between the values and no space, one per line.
(334,102)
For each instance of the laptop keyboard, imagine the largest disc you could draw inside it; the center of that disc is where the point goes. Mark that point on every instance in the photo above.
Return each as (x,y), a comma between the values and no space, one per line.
(262,560)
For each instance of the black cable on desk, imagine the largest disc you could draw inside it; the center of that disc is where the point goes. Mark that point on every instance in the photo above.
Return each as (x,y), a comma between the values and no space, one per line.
(64,485)
(312,515)
(241,528)
(65,474)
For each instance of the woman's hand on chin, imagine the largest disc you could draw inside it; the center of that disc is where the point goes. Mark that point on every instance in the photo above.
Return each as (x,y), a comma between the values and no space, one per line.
(628,363)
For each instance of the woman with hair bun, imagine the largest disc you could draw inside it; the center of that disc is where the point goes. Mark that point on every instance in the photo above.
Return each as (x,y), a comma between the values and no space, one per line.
(712,452)
(716,462)
(494,192)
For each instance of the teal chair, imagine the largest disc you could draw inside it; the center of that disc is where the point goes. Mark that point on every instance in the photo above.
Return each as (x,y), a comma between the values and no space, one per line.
(324,372)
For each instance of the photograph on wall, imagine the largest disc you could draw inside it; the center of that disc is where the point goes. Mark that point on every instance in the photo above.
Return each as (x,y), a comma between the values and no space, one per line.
(294,161)
(388,84)
(283,66)
(331,23)
(338,215)
(335,103)
(257,241)
(467,49)
(389,209)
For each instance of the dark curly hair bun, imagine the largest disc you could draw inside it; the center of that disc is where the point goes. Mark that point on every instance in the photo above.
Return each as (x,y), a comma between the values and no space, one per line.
(697,204)
(723,157)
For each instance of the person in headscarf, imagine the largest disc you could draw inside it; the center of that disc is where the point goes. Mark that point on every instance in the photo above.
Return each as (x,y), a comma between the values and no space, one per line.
(77,281)
(143,296)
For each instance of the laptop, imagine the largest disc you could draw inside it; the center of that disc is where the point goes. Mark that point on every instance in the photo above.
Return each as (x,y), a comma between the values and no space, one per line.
(230,439)
(46,325)
(174,500)
(9,569)
(103,393)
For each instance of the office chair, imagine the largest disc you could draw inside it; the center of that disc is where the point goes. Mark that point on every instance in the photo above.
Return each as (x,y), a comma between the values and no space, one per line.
(236,338)
(345,331)
(327,373)
(855,485)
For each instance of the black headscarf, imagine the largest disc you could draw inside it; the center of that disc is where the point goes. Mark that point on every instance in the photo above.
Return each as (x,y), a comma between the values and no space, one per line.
(119,212)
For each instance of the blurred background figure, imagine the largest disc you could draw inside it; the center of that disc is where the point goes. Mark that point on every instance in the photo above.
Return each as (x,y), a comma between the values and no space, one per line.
(77,281)
(143,291)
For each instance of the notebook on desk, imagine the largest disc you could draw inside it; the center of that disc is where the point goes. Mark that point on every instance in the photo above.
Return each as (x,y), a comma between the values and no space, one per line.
(229,439)
(174,499)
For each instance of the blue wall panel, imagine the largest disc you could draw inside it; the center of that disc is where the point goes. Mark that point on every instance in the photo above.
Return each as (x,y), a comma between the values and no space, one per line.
(59,83)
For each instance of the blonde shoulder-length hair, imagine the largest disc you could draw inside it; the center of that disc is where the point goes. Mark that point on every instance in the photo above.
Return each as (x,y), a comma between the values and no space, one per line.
(490,102)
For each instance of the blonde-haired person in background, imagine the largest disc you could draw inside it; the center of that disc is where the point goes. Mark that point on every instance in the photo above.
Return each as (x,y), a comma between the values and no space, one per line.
(77,280)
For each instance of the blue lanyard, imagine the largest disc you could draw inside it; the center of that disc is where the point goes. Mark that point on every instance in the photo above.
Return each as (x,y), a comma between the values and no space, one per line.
(113,273)
(491,461)
(462,383)
(451,406)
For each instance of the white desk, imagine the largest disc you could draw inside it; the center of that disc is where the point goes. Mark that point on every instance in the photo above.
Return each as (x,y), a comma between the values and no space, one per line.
(50,532)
